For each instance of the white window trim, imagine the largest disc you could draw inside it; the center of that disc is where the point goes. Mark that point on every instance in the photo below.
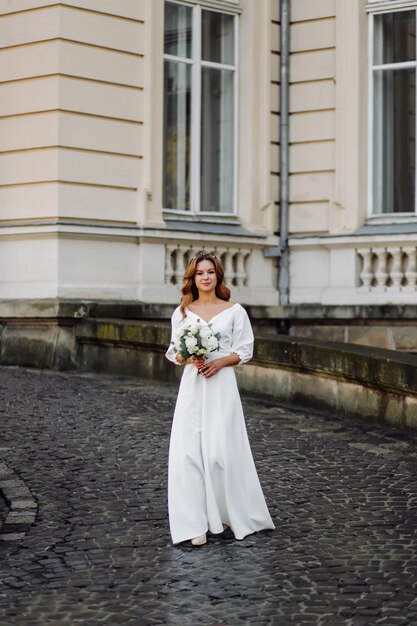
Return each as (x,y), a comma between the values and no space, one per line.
(384,6)
(378,7)
(197,63)
(228,6)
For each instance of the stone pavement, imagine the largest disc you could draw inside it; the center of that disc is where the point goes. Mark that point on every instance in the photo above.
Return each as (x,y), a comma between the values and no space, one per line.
(93,451)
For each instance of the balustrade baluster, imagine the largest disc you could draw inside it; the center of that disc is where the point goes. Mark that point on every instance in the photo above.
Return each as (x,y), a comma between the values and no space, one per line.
(411,269)
(245,266)
(169,264)
(396,274)
(191,252)
(180,264)
(381,273)
(228,267)
(366,275)
(240,267)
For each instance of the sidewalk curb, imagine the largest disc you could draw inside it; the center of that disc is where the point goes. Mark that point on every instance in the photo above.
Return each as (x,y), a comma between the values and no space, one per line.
(23,507)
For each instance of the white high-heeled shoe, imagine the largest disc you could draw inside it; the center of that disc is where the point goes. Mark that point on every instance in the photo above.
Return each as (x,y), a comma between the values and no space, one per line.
(199,541)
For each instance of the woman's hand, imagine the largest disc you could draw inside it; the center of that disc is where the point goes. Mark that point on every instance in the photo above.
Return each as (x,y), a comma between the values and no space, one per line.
(212,367)
(208,369)
(198,361)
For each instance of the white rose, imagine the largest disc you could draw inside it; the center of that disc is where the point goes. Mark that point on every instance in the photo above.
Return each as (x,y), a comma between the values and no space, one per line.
(205,332)
(191,343)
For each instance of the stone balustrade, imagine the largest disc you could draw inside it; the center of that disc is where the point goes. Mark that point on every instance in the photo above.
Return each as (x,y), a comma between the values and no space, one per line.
(358,269)
(234,261)
(387,268)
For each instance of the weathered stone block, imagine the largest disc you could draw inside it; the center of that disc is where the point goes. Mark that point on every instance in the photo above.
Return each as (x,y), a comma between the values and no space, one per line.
(65,357)
(410,412)
(28,345)
(378,336)
(319,333)
(405,338)
(39,345)
(126,361)
(314,391)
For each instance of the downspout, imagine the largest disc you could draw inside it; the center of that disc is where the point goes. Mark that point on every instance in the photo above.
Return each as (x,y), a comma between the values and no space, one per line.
(283,277)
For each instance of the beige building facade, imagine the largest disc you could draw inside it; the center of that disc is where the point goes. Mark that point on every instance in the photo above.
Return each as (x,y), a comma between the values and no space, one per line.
(347,138)
(82,141)
(135,132)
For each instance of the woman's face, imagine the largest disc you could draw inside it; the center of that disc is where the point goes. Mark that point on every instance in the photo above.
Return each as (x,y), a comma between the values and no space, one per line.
(205,277)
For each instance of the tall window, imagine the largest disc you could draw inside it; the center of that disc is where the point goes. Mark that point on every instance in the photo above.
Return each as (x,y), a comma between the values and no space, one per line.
(393,112)
(199,109)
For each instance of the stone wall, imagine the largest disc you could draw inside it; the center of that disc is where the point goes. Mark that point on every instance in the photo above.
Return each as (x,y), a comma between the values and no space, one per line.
(359,381)
(353,380)
(393,327)
(392,335)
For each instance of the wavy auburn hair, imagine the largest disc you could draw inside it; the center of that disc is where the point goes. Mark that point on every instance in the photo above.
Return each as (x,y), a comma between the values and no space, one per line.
(189,290)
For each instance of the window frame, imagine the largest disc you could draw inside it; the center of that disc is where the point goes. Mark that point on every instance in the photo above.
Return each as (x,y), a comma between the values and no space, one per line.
(197,64)
(380,7)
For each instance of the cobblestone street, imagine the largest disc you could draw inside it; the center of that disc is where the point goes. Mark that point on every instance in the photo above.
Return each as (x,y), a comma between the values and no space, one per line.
(93,453)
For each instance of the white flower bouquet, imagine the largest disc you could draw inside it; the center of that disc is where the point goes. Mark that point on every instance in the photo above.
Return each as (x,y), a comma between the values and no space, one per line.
(195,339)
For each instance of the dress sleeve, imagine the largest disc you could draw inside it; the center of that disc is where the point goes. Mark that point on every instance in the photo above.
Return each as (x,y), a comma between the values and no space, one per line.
(175,324)
(242,338)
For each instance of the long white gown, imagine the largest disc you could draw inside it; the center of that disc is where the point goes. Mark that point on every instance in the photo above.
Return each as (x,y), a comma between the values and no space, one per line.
(212,478)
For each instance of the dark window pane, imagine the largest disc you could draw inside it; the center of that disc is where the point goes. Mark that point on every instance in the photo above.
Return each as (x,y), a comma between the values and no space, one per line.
(217,37)
(395,37)
(394,141)
(177,136)
(178,30)
(217,149)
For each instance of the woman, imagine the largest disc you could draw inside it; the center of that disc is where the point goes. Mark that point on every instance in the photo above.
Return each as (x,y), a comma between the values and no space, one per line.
(212,479)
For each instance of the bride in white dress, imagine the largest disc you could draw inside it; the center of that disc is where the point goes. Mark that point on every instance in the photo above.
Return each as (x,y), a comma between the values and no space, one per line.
(212,479)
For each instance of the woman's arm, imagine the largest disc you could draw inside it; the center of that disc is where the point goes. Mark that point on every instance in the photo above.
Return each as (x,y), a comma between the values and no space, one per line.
(242,340)
(175,324)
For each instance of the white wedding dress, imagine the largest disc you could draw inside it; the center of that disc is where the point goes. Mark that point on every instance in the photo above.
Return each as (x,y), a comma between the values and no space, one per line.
(212,479)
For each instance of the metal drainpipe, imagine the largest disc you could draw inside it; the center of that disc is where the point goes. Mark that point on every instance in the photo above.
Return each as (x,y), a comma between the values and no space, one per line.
(283,280)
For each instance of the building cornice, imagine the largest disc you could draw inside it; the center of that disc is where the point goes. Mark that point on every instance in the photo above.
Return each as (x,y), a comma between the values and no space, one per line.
(206,232)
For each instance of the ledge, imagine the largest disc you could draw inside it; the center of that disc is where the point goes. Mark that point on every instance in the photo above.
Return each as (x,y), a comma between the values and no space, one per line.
(68,309)
(371,367)
(404,228)
(358,381)
(344,312)
(211,227)
(354,380)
